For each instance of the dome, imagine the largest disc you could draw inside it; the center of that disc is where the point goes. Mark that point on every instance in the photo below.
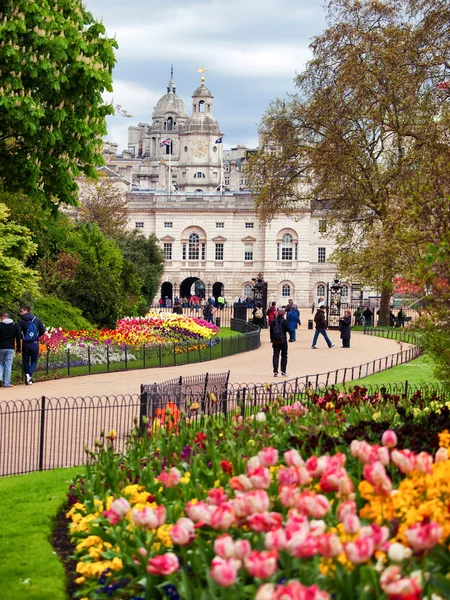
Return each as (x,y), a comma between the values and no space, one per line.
(202,122)
(202,92)
(170,103)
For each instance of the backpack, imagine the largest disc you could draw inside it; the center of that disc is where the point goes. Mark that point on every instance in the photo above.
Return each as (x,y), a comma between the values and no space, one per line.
(277,332)
(258,313)
(31,334)
(206,311)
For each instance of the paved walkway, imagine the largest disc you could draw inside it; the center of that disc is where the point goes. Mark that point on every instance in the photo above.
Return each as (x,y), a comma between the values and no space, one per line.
(249,367)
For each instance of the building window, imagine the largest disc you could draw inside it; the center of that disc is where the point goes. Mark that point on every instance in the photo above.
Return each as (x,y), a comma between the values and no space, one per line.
(320,291)
(227,181)
(170,124)
(321,255)
(249,225)
(344,292)
(322,226)
(183,252)
(199,175)
(194,243)
(203,251)
(248,290)
(220,225)
(286,290)
(248,252)
(169,148)
(167,251)
(219,251)
(168,224)
(287,247)
(139,225)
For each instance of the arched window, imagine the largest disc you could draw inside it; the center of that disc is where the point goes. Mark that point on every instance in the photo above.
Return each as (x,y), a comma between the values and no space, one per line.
(286,290)
(201,106)
(170,124)
(193,250)
(320,291)
(286,247)
(199,175)
(344,293)
(248,290)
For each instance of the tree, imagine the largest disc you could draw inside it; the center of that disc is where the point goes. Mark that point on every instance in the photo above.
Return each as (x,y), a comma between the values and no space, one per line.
(104,203)
(367,119)
(56,63)
(146,256)
(15,247)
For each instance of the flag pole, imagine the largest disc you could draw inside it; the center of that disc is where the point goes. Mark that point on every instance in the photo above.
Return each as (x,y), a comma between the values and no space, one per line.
(170,167)
(221,168)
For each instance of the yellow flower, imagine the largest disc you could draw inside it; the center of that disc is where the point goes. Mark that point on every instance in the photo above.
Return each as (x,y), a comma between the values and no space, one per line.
(80,580)
(444,439)
(186,478)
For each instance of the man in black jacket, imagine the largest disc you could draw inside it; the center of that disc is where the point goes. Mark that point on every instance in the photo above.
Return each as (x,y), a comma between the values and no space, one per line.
(321,327)
(9,339)
(30,347)
(278,336)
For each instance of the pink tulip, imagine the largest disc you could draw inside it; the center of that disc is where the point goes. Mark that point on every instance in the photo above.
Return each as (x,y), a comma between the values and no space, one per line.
(170,479)
(224,546)
(266,592)
(441,455)
(424,463)
(259,500)
(225,572)
(303,547)
(242,549)
(317,527)
(199,512)
(345,508)
(267,521)
(375,473)
(268,456)
(329,545)
(216,496)
(361,450)
(240,483)
(293,459)
(352,524)
(404,460)
(331,477)
(311,464)
(253,463)
(360,550)
(287,494)
(275,540)
(183,532)
(262,564)
(423,536)
(260,478)
(314,505)
(165,564)
(296,525)
(389,438)
(397,588)
(222,517)
(380,454)
(294,590)
(117,511)
(148,518)
(378,534)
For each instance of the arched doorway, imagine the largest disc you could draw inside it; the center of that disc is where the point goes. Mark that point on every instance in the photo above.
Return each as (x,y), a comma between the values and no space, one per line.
(217,289)
(167,290)
(192,286)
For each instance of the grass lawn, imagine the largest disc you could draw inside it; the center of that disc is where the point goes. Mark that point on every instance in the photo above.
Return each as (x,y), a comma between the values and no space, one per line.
(416,372)
(29,567)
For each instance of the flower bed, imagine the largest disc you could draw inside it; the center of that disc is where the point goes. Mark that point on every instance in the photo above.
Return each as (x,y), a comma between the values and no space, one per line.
(228,508)
(126,342)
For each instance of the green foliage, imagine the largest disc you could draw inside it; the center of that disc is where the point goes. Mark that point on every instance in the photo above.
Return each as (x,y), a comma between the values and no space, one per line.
(15,248)
(146,257)
(56,63)
(54,312)
(103,202)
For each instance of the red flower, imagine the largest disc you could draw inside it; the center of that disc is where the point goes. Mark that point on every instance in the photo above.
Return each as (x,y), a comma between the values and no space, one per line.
(200,438)
(226,467)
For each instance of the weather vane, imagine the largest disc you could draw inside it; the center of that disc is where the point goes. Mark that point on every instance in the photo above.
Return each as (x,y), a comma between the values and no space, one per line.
(202,70)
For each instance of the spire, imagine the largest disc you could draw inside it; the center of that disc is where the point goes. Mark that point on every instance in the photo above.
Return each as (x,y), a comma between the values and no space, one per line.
(171,87)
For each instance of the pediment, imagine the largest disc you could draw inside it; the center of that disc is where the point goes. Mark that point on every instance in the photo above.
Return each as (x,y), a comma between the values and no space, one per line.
(219,239)
(167,238)
(249,239)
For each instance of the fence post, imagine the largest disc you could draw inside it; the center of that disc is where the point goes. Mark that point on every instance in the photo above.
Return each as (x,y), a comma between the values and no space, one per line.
(42,435)
(46,360)
(160,354)
(89,360)
(126,357)
(406,387)
(107,358)
(143,409)
(143,347)
(68,362)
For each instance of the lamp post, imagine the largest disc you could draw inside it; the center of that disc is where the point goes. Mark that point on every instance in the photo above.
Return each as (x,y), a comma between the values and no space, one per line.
(334,305)
(260,291)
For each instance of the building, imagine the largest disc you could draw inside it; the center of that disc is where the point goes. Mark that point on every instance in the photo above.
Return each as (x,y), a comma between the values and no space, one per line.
(191,193)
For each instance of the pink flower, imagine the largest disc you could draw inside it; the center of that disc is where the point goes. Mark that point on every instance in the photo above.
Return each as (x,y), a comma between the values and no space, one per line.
(217,496)
(117,511)
(253,463)
(389,438)
(183,532)
(378,534)
(224,546)
(267,521)
(424,463)
(397,588)
(165,564)
(345,487)
(311,464)
(242,548)
(317,527)
(222,517)
(240,483)
(441,455)
(361,450)
(293,459)
(199,512)
(331,476)
(314,505)
(260,478)
(225,571)
(345,508)
(170,479)
(303,547)
(404,460)
(381,454)
(375,473)
(261,564)
(294,590)
(275,540)
(352,524)
(360,550)
(287,494)
(329,545)
(423,536)
(266,592)
(149,518)
(268,456)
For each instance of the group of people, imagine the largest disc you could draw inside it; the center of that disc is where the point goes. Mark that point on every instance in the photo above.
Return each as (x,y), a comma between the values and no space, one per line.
(21,337)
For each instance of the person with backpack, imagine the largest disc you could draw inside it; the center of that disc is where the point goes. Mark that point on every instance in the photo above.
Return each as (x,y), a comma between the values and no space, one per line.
(321,327)
(278,336)
(272,312)
(208,312)
(258,315)
(9,341)
(32,329)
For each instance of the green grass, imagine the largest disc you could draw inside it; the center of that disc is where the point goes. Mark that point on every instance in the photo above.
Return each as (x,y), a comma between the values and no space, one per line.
(416,372)
(29,567)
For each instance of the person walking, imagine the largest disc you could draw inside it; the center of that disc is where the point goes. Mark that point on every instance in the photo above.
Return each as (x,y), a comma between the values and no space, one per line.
(278,336)
(258,315)
(293,321)
(344,328)
(32,329)
(9,341)
(321,327)
(368,317)
(271,312)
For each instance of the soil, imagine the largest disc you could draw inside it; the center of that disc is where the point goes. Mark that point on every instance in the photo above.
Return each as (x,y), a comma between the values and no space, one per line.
(65,550)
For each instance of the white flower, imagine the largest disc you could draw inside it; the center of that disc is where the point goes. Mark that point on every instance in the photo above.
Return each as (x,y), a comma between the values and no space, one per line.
(398,552)
(261,417)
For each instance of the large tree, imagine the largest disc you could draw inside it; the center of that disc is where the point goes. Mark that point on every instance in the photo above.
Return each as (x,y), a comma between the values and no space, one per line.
(103,202)
(366,121)
(55,64)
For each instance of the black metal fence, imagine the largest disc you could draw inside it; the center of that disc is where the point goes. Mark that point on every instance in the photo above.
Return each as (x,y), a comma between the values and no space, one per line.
(104,358)
(47,433)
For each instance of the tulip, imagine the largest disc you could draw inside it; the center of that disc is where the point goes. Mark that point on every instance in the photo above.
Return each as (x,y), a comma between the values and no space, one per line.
(441,455)
(316,506)
(222,517)
(375,473)
(170,479)
(378,534)
(260,478)
(199,512)
(224,546)
(360,550)
(225,572)
(293,459)
(423,536)
(329,545)
(404,460)
(240,483)
(352,524)
(117,511)
(345,487)
(345,508)
(287,494)
(389,438)
(267,521)
(165,564)
(261,417)
(398,552)
(303,547)
(146,518)
(217,496)
(253,463)
(268,456)
(397,588)
(242,549)
(262,564)
(317,527)
(266,592)
(424,463)
(275,540)
(183,532)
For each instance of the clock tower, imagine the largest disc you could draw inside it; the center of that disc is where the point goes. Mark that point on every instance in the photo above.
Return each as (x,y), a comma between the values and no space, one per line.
(200,163)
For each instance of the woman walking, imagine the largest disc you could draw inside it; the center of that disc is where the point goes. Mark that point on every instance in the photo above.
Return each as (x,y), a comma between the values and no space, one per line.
(344,326)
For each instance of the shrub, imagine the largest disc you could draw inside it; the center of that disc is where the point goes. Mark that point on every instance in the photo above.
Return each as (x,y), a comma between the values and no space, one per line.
(60,313)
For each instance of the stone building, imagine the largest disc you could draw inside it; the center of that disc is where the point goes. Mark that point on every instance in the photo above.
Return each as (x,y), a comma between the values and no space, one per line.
(192,194)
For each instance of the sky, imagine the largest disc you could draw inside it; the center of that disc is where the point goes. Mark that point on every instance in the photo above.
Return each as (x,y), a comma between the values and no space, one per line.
(251,50)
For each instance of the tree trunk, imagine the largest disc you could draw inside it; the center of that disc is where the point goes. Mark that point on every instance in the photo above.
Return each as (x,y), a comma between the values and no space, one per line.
(385,307)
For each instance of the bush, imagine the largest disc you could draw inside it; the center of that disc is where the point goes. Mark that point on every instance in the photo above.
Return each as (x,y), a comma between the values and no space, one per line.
(60,313)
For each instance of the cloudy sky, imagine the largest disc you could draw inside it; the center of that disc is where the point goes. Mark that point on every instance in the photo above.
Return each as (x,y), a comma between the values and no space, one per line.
(251,49)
